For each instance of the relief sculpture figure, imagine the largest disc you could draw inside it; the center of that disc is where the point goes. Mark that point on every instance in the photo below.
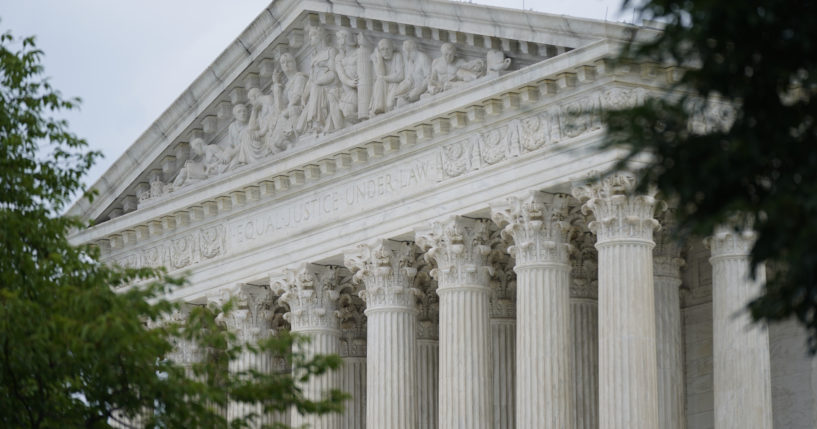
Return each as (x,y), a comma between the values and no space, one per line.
(415,78)
(364,76)
(206,161)
(388,73)
(496,62)
(264,120)
(322,88)
(347,71)
(449,72)
(290,98)
(245,148)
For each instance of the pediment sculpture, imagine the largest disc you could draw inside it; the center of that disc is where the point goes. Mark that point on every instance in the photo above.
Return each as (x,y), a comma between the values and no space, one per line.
(345,78)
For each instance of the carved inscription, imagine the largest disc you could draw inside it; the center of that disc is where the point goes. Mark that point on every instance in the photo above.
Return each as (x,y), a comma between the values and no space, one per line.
(321,206)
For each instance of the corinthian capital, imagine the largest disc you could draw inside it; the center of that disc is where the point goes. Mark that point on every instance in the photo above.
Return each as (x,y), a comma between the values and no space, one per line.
(728,242)
(620,215)
(386,270)
(459,248)
(311,293)
(538,227)
(251,316)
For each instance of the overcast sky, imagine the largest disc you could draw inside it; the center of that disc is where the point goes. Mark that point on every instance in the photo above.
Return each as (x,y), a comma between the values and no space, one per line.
(128,60)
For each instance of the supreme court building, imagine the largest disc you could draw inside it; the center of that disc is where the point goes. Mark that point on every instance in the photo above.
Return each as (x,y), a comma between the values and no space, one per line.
(409,183)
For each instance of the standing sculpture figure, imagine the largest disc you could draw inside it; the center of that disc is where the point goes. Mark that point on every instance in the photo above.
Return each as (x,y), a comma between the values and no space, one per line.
(322,87)
(364,76)
(415,79)
(449,72)
(388,73)
(347,71)
(290,101)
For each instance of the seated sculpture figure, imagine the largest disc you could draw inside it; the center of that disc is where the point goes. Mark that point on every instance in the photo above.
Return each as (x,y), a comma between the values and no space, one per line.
(388,73)
(496,62)
(289,96)
(415,79)
(449,72)
(206,161)
(264,120)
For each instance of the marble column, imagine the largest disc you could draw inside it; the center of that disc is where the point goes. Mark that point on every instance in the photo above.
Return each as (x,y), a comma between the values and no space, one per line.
(353,352)
(584,326)
(624,227)
(311,292)
(544,390)
(458,247)
(250,322)
(428,349)
(353,382)
(742,371)
(386,270)
(668,329)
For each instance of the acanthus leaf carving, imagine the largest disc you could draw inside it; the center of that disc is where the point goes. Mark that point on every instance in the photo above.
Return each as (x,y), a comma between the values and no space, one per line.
(387,272)
(428,303)
(311,291)
(620,214)
(537,223)
(502,299)
(250,318)
(583,258)
(459,248)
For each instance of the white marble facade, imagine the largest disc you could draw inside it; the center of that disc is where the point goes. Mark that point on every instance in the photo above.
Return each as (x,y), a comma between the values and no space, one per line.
(407,183)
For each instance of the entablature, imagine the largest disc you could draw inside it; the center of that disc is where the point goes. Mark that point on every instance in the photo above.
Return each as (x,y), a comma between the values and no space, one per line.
(483,43)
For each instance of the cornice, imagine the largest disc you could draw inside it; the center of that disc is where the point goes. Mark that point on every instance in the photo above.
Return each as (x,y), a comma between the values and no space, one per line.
(374,141)
(215,82)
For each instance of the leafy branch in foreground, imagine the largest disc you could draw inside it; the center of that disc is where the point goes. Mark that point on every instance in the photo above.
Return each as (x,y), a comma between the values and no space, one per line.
(73,351)
(735,141)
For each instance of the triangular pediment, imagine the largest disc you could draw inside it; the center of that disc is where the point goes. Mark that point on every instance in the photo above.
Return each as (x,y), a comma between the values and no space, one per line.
(305,70)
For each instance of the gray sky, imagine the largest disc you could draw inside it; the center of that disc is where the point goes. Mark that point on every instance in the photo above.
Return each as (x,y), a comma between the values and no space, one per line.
(128,60)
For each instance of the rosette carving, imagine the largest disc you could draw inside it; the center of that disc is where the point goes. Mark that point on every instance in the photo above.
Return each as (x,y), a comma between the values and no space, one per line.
(537,225)
(387,272)
(459,248)
(620,215)
(311,292)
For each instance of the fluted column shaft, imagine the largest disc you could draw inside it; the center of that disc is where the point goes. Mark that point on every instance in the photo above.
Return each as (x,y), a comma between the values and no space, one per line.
(458,248)
(544,382)
(311,292)
(428,379)
(503,339)
(627,361)
(353,382)
(323,342)
(391,364)
(742,374)
(585,325)
(669,343)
